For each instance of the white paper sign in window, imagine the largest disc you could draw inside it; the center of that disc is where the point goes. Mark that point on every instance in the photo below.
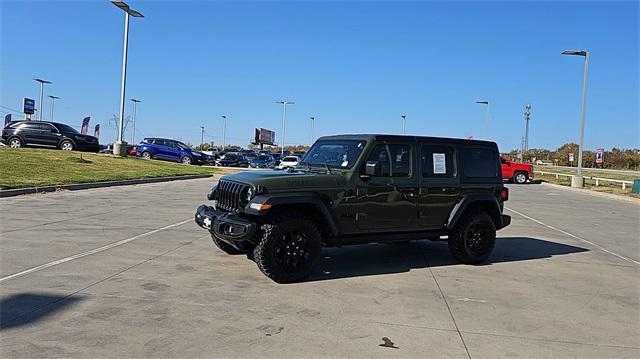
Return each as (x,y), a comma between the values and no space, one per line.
(439,164)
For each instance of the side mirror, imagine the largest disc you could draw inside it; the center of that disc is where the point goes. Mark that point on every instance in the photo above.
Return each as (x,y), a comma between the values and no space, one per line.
(373,168)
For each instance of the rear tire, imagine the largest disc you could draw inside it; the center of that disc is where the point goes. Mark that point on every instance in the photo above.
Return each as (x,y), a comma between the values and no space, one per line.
(15,142)
(473,238)
(288,248)
(146,155)
(520,178)
(223,246)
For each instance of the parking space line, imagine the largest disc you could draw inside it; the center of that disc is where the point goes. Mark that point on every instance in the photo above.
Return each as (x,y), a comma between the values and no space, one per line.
(93,251)
(572,236)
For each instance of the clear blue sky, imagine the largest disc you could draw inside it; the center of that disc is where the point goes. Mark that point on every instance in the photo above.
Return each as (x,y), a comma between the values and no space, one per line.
(355,66)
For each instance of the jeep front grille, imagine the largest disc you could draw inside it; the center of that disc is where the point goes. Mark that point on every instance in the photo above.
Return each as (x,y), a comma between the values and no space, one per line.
(231,195)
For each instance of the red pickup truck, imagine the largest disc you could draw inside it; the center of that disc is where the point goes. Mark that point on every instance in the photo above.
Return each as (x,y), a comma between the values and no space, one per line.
(516,172)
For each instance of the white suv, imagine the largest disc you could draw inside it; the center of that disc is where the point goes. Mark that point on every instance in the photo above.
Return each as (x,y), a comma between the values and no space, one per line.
(288,161)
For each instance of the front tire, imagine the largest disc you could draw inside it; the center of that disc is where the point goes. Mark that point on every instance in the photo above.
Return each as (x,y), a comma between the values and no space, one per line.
(66,145)
(520,178)
(185,160)
(225,247)
(288,248)
(15,142)
(473,238)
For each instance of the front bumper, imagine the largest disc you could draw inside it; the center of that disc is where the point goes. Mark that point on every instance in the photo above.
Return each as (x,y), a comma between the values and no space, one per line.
(228,227)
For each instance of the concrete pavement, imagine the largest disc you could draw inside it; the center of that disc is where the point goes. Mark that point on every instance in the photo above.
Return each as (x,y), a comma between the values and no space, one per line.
(158,288)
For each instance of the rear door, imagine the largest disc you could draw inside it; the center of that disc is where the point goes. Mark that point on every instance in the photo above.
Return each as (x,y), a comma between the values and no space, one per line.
(439,184)
(30,132)
(507,169)
(387,203)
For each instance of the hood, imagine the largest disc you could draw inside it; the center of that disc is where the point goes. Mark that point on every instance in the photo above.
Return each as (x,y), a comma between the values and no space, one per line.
(284,180)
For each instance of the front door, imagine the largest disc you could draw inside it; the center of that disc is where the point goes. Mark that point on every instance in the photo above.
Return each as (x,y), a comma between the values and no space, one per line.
(49,135)
(439,185)
(387,202)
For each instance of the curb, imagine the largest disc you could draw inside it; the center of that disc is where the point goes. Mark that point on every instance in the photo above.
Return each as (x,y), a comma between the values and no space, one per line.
(79,186)
(594,193)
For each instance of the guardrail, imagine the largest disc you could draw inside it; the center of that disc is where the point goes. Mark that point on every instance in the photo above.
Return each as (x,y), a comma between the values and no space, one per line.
(596,179)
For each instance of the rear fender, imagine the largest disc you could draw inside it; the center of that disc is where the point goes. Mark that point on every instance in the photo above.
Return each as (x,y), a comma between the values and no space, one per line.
(486,201)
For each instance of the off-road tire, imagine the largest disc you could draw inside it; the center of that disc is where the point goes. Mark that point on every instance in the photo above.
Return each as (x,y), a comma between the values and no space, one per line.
(461,236)
(520,178)
(270,241)
(225,247)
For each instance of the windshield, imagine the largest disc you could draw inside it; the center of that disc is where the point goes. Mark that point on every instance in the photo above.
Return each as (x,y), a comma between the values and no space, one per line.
(65,128)
(263,158)
(334,154)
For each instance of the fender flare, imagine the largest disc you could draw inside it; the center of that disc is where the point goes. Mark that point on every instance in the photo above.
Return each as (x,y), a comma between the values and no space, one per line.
(468,200)
(306,198)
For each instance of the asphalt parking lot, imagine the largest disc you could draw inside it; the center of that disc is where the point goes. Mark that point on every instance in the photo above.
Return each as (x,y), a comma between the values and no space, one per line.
(124,272)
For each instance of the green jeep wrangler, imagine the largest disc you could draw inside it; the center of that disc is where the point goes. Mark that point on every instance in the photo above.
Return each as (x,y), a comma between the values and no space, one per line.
(355,189)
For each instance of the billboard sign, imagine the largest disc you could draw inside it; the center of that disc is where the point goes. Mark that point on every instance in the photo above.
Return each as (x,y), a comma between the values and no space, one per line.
(600,155)
(29,107)
(264,137)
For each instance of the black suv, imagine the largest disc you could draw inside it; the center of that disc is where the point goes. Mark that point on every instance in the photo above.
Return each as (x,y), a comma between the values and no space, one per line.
(355,189)
(49,134)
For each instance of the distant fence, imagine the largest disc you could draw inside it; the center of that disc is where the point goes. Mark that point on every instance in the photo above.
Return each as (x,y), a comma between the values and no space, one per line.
(597,180)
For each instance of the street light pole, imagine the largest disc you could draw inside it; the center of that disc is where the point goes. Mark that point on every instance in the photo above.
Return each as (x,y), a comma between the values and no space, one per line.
(201,138)
(53,105)
(133,122)
(284,120)
(224,131)
(312,123)
(404,124)
(578,180)
(41,106)
(527,116)
(119,148)
(486,117)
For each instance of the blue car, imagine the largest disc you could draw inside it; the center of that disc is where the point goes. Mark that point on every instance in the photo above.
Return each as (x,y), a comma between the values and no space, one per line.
(263,161)
(171,150)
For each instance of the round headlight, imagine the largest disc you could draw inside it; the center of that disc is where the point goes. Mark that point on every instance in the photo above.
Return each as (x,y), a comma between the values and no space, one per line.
(250,193)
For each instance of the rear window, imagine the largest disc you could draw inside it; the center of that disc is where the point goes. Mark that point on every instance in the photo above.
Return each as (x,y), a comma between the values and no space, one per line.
(479,162)
(291,159)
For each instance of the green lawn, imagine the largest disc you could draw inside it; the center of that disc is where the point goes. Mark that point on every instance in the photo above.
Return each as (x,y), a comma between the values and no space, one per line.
(29,167)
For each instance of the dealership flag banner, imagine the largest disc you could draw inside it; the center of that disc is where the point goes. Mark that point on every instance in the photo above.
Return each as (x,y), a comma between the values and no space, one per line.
(96,131)
(7,119)
(85,125)
(600,155)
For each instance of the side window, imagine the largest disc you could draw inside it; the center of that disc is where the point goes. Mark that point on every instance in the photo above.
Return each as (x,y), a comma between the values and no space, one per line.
(47,127)
(479,163)
(400,160)
(437,161)
(380,154)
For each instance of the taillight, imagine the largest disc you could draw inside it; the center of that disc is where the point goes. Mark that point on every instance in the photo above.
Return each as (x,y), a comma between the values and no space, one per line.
(504,194)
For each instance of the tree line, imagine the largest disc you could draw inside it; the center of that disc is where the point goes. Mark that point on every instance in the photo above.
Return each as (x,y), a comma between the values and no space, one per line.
(616,158)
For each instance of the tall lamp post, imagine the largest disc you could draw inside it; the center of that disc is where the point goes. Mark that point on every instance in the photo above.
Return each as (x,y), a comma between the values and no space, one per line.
(313,119)
(119,148)
(404,124)
(486,117)
(41,105)
(284,119)
(201,138)
(53,105)
(224,131)
(527,117)
(133,120)
(578,180)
